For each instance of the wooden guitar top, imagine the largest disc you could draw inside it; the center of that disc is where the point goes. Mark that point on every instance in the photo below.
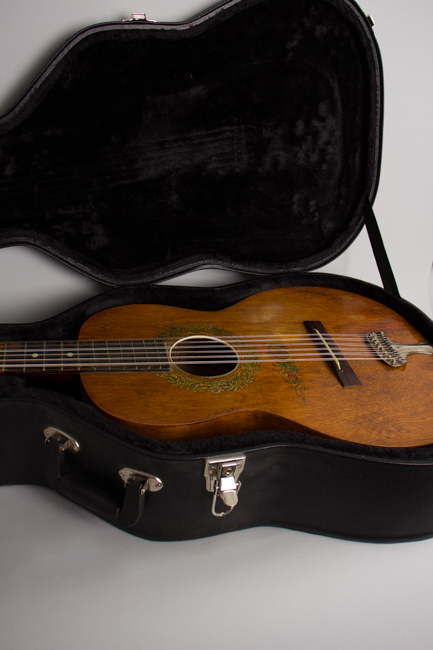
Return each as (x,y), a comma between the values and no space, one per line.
(391,408)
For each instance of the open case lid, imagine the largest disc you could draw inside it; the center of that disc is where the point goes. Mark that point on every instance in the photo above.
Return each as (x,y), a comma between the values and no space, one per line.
(246,138)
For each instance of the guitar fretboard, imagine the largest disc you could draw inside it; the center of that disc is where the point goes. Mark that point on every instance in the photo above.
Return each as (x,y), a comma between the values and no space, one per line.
(83,356)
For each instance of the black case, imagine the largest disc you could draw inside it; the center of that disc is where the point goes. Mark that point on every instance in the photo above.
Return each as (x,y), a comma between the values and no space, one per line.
(247,138)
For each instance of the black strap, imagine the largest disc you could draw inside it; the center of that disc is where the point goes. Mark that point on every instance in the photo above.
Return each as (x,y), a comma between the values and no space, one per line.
(382,261)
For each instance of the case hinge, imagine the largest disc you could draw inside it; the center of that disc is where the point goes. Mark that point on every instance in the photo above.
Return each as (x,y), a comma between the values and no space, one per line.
(135,17)
(222,478)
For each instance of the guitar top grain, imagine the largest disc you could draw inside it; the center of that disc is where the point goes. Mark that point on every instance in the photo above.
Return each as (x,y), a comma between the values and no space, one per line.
(392,408)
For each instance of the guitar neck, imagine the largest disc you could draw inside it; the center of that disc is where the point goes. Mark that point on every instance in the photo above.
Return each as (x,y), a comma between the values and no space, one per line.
(83,356)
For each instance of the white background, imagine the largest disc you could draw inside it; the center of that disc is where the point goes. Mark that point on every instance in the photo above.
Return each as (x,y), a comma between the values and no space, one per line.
(67,579)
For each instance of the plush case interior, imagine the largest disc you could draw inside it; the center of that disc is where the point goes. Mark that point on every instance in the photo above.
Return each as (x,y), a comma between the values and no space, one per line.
(246,138)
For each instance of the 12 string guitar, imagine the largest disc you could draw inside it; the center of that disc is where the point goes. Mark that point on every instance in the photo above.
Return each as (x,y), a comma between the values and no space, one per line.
(320,361)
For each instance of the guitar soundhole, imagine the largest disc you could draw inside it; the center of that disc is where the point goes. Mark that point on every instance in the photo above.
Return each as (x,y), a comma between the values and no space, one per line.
(204,356)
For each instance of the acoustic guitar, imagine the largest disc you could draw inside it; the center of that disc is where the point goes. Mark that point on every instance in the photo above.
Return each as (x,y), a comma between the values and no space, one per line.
(320,361)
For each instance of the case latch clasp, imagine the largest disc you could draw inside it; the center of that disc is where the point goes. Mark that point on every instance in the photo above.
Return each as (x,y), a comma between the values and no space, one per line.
(222,478)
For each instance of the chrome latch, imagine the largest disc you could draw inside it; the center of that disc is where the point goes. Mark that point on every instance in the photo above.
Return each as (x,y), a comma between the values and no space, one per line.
(222,478)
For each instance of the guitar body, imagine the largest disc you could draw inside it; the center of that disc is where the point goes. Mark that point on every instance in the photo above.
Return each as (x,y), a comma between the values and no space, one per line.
(392,407)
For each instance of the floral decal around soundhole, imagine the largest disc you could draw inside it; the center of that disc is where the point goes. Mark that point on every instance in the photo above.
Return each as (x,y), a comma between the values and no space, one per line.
(241,379)
(289,370)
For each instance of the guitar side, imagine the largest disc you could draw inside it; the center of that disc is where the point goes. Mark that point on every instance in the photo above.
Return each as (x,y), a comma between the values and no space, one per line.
(390,408)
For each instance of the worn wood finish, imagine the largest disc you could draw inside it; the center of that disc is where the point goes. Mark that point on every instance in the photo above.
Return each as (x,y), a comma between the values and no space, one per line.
(392,407)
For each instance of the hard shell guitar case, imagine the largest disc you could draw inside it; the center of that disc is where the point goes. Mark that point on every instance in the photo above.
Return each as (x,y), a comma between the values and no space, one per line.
(247,138)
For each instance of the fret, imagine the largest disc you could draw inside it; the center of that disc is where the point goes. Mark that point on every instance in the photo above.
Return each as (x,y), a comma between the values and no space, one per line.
(51,356)
(134,352)
(33,356)
(162,355)
(140,356)
(100,360)
(145,359)
(86,356)
(128,357)
(116,356)
(159,355)
(146,356)
(107,353)
(4,347)
(151,354)
(121,357)
(70,361)
(15,356)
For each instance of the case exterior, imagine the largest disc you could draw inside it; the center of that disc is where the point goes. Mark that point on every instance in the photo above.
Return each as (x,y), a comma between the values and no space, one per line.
(288,479)
(294,484)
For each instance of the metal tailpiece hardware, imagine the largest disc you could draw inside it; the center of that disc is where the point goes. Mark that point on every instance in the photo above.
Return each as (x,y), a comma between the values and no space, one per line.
(151,483)
(222,474)
(70,444)
(395,354)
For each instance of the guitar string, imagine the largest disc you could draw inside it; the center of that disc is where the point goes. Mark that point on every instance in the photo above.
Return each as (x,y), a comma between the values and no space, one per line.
(196,349)
(202,356)
(203,335)
(189,351)
(198,353)
(103,360)
(113,345)
(149,357)
(122,358)
(144,361)
(201,350)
